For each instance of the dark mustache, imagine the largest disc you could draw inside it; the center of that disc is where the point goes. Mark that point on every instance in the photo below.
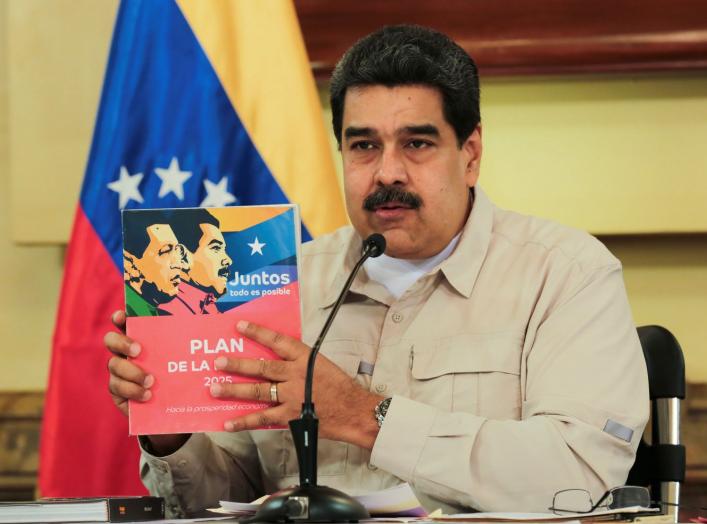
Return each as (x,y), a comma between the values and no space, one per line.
(223,272)
(391,194)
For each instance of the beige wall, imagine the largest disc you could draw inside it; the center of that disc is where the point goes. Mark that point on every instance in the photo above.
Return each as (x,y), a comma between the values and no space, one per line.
(575,149)
(57,58)
(610,154)
(666,279)
(29,276)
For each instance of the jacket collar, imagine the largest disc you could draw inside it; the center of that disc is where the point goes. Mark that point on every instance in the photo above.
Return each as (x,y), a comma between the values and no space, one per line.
(462,267)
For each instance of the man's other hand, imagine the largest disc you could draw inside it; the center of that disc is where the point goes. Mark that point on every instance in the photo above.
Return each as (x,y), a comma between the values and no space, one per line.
(344,409)
(129,382)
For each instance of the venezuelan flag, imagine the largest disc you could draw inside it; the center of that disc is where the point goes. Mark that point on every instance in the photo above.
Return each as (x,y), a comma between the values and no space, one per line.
(205,103)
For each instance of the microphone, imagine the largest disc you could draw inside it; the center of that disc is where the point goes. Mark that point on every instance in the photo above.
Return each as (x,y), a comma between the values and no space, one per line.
(375,244)
(309,502)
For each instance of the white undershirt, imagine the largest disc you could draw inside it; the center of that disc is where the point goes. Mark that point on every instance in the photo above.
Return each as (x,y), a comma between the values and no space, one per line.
(398,274)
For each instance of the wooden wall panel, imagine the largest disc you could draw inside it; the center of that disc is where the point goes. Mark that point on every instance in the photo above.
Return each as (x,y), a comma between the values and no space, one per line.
(20,419)
(526,36)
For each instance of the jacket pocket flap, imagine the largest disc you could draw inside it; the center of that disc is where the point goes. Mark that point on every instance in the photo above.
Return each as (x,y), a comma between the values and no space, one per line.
(344,354)
(469,353)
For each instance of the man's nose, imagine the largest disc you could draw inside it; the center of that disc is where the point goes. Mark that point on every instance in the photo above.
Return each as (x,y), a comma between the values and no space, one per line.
(226,261)
(391,168)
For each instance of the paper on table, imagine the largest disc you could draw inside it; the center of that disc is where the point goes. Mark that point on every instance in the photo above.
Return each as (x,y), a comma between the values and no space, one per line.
(505,517)
(237,508)
(399,501)
(540,517)
(397,520)
(188,521)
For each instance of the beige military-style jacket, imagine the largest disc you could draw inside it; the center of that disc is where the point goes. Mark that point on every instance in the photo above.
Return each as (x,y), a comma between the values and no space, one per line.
(514,367)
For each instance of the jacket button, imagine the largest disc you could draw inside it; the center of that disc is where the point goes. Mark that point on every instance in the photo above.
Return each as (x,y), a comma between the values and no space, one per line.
(397,318)
(380,388)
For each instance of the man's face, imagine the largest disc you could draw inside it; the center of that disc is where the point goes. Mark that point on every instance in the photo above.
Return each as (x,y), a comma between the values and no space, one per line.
(396,144)
(163,260)
(210,261)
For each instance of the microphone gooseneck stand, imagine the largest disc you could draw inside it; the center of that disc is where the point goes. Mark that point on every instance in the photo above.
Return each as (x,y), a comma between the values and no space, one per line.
(309,502)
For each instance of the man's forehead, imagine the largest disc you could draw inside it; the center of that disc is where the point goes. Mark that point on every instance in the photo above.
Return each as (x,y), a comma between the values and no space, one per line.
(396,89)
(398,109)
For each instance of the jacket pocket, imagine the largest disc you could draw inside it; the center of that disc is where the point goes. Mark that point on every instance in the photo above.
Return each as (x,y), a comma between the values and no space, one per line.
(475,373)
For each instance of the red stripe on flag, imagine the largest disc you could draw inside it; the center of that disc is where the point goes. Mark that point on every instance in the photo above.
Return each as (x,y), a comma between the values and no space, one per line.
(85,448)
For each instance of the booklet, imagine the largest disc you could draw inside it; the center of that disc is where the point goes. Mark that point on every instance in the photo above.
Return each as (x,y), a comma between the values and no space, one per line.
(111,509)
(190,275)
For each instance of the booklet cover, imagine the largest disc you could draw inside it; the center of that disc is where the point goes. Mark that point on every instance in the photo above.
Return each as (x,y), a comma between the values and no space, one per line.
(190,275)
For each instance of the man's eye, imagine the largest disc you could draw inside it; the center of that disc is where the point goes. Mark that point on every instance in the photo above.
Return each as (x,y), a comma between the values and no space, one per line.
(362,145)
(418,144)
(165,250)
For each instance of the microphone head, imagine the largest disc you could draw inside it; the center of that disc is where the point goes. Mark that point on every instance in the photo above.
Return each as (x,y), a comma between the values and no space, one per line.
(374,245)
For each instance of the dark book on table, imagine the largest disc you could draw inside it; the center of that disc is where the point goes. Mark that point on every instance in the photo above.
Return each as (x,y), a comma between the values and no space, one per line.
(111,509)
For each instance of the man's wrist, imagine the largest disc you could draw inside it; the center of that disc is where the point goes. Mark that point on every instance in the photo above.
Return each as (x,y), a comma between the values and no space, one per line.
(363,428)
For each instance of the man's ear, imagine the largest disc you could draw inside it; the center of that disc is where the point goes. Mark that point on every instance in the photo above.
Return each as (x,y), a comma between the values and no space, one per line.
(130,271)
(472,146)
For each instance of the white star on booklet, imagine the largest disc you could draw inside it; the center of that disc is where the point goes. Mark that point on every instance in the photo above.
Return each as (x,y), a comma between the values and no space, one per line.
(216,194)
(256,246)
(126,187)
(172,179)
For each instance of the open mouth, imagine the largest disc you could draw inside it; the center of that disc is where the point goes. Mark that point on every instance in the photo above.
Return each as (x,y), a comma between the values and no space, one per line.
(223,273)
(392,206)
(392,210)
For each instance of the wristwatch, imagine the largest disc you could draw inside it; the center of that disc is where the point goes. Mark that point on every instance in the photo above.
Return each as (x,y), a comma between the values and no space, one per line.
(381,410)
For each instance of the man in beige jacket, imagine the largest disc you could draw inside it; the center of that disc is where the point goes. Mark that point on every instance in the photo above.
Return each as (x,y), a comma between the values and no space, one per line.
(489,359)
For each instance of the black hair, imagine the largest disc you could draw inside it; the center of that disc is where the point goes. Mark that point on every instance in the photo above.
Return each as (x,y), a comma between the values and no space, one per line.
(411,55)
(135,224)
(185,224)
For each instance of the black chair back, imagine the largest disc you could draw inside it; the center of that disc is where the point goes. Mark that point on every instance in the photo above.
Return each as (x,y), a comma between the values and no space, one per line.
(661,464)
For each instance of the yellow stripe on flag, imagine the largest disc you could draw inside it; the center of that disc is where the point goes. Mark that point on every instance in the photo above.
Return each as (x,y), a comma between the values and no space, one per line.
(257,51)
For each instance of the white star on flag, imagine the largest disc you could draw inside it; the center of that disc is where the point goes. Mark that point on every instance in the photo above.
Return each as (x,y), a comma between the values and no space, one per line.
(172,179)
(216,194)
(256,246)
(126,187)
